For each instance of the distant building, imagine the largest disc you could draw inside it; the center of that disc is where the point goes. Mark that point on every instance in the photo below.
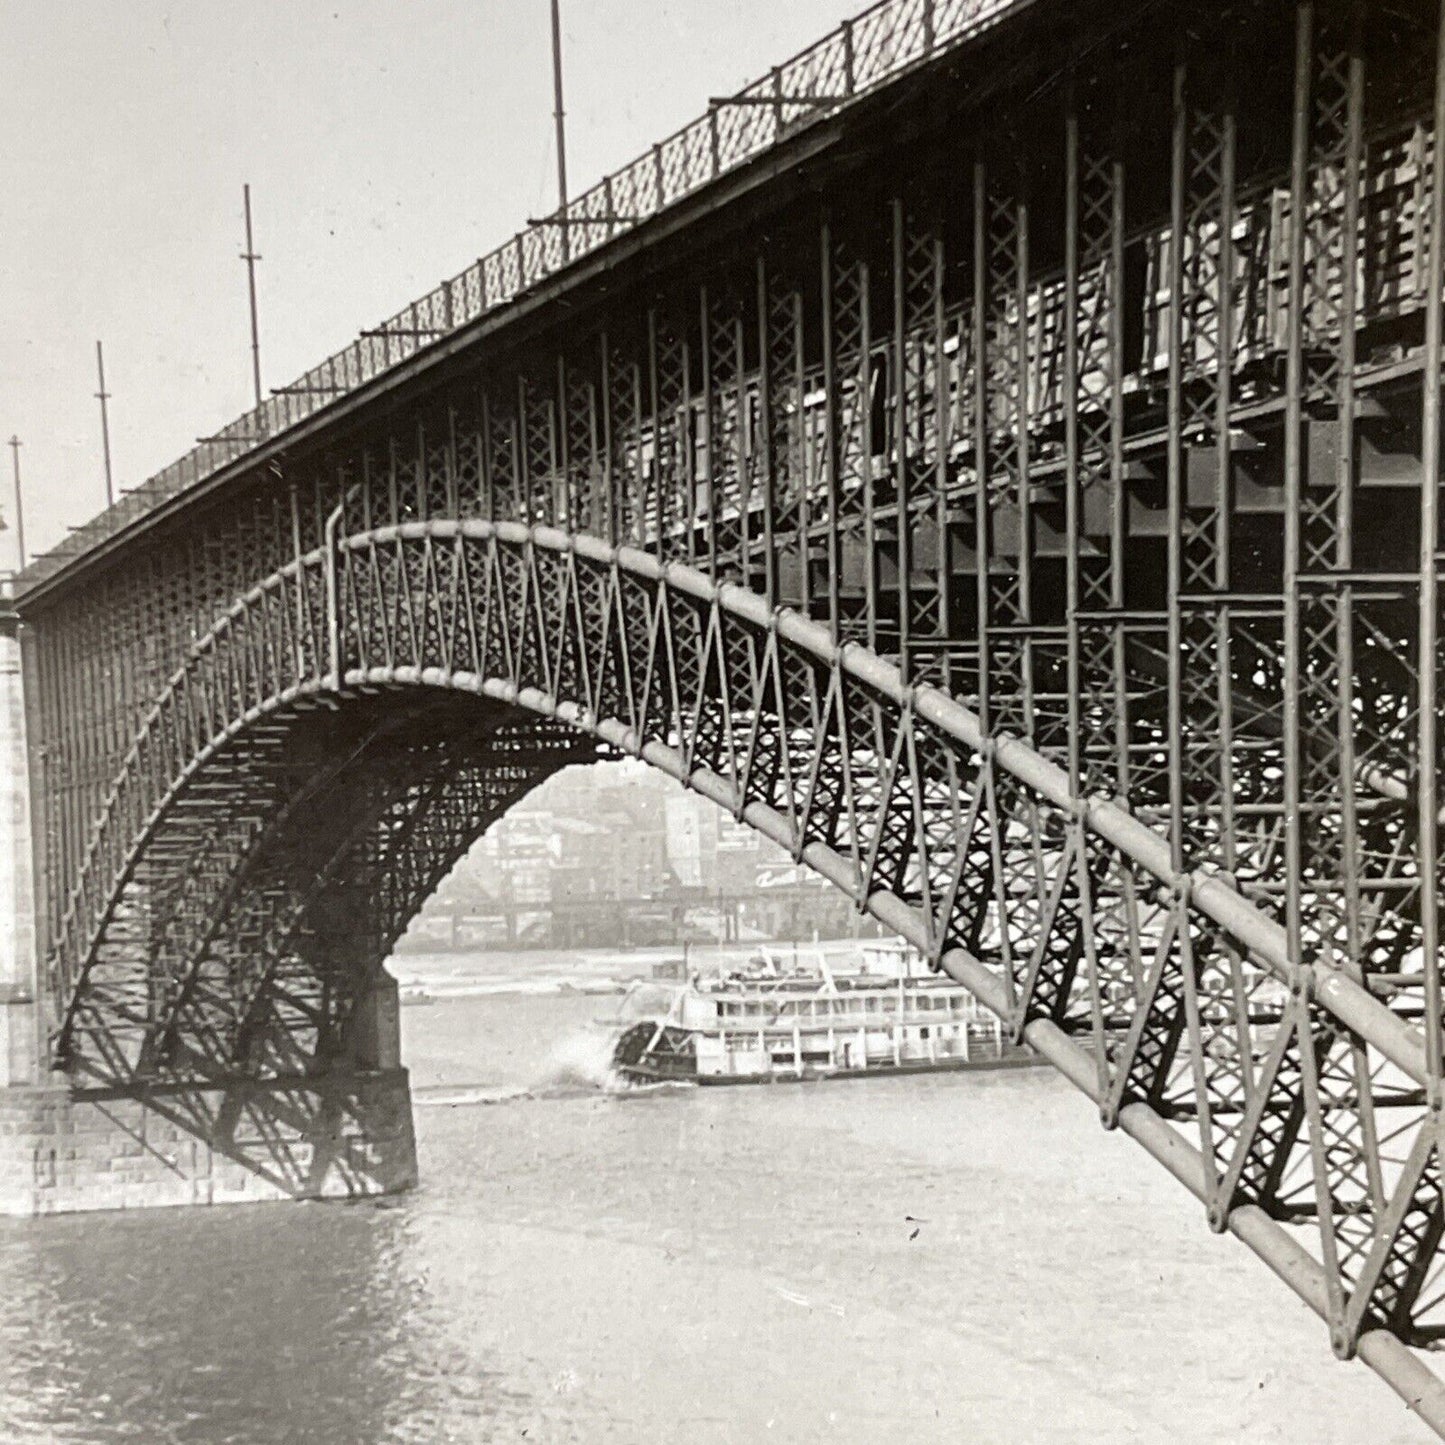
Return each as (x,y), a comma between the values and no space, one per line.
(620,854)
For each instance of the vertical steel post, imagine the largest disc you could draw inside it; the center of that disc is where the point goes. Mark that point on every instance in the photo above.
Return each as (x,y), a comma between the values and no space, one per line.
(103,396)
(603,392)
(559,119)
(687,443)
(250,257)
(1175,453)
(900,440)
(561,458)
(654,406)
(1427,802)
(452,475)
(942,445)
(1225,781)
(766,439)
(742,442)
(708,417)
(980,434)
(1119,506)
(15,444)
(1071,429)
(484,459)
(1027,649)
(333,597)
(864,384)
(830,428)
(1344,605)
(1293,471)
(526,502)
(637,427)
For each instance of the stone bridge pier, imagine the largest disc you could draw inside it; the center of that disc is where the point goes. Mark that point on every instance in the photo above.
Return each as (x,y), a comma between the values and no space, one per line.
(66,1146)
(20,1042)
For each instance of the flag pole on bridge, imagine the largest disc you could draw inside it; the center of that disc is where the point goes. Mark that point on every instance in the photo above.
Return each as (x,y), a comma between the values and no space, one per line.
(250,257)
(14,444)
(104,396)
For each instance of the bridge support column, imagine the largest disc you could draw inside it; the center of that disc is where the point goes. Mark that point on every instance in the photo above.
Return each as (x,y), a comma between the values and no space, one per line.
(20,1023)
(346,1134)
(376,1029)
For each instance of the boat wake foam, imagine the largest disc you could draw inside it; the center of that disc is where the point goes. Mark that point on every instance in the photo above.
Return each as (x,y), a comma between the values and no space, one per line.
(450,1097)
(583,1058)
(578,1066)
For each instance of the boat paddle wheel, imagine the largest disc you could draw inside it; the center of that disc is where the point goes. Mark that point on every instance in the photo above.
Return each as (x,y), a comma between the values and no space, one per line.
(652,1051)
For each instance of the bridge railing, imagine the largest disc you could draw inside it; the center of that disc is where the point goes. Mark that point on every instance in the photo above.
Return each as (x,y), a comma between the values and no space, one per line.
(861,54)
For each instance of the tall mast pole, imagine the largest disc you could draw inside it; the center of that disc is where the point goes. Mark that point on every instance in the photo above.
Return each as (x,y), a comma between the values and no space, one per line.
(104,397)
(250,257)
(558,114)
(14,445)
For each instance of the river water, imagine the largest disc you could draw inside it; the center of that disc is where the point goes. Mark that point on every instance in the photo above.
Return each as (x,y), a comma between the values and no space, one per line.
(948,1258)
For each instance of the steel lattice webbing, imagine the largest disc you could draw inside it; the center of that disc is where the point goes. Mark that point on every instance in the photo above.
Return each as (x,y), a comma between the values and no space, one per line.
(1093,381)
(1169,997)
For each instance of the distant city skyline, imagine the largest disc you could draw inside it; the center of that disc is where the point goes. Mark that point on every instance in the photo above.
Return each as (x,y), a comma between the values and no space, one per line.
(617,853)
(386,148)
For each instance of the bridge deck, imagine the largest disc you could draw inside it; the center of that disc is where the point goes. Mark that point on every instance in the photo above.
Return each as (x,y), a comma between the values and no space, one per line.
(864,54)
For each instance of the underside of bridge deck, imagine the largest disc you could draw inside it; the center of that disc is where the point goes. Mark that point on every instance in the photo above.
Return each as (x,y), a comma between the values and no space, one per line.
(1016,490)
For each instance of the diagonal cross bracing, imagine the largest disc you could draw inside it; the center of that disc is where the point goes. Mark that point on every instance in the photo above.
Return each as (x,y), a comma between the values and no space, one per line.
(1053,436)
(862,811)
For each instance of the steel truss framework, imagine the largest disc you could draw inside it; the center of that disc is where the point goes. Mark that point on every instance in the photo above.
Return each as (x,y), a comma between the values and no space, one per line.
(262,1066)
(1044,546)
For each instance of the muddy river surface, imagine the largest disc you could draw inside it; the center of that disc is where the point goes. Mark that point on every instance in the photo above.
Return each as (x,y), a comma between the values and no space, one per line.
(947,1258)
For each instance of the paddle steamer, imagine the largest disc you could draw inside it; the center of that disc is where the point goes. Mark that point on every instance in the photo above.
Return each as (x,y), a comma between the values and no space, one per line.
(780,1019)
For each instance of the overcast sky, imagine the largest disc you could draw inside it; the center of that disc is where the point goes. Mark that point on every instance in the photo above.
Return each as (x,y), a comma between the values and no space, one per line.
(387,143)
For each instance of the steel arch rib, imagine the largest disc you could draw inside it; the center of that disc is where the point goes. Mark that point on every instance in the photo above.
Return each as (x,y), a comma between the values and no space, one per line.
(853,766)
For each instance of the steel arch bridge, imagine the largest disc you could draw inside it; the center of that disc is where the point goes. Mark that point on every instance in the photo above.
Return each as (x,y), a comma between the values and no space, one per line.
(998,457)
